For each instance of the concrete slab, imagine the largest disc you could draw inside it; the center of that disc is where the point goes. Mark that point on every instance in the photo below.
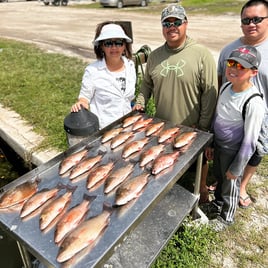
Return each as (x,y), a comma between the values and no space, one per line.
(19,135)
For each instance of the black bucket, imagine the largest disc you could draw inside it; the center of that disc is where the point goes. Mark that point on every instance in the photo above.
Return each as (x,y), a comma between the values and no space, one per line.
(79,125)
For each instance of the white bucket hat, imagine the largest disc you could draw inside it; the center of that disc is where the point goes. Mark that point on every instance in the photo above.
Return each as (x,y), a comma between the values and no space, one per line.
(110,31)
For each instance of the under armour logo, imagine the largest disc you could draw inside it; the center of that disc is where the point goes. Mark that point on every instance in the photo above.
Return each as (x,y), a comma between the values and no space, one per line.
(176,68)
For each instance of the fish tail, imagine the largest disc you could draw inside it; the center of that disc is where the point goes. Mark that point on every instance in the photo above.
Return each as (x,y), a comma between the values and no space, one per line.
(107,207)
(89,198)
(61,185)
(71,188)
(102,151)
(37,179)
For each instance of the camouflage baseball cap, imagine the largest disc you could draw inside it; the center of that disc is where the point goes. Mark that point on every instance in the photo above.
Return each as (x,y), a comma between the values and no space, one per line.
(173,11)
(247,56)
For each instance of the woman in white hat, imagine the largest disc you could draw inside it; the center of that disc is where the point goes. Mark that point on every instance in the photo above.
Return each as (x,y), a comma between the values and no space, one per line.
(108,84)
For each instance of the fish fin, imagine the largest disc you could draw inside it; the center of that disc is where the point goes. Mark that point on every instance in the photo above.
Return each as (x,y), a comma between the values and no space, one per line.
(88,147)
(133,161)
(71,188)
(61,185)
(108,207)
(37,179)
(102,150)
(56,219)
(90,198)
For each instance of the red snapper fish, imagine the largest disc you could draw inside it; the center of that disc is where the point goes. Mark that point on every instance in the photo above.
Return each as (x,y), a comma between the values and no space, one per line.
(98,174)
(167,134)
(184,139)
(18,194)
(134,146)
(131,189)
(85,234)
(153,128)
(70,161)
(53,209)
(151,154)
(108,135)
(117,177)
(164,161)
(85,165)
(120,139)
(72,218)
(37,200)
(131,120)
(142,123)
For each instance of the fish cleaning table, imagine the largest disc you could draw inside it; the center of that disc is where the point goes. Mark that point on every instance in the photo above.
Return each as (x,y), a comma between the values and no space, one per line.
(138,230)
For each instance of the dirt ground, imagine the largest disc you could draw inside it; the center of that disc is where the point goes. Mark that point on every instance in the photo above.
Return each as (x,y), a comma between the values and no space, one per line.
(71,31)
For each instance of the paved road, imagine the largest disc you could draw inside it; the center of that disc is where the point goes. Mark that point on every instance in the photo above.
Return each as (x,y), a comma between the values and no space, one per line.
(71,30)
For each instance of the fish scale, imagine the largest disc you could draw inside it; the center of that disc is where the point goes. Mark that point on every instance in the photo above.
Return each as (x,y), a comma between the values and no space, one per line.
(19,194)
(164,161)
(108,135)
(153,128)
(84,166)
(142,123)
(131,120)
(50,212)
(71,161)
(37,200)
(134,146)
(167,134)
(72,218)
(117,177)
(120,139)
(151,154)
(131,189)
(184,138)
(85,234)
(99,174)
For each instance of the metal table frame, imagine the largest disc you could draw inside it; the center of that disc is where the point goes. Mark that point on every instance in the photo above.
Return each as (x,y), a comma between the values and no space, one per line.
(125,254)
(157,212)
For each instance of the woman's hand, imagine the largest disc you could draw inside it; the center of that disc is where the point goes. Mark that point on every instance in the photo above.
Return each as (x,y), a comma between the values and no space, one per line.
(79,104)
(138,107)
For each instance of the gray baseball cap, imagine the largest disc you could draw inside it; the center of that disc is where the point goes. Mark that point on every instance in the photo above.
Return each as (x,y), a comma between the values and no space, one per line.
(173,11)
(247,56)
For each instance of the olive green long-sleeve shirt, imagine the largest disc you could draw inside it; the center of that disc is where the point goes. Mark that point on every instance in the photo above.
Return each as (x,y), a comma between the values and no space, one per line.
(183,82)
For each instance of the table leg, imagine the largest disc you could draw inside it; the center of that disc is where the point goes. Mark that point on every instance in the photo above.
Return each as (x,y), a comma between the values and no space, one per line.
(197,183)
(24,256)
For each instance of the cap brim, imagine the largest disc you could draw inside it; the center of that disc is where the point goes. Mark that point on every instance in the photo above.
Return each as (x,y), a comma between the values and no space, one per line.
(242,62)
(173,16)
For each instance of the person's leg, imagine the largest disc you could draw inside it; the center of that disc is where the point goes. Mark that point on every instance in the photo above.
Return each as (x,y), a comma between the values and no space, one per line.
(203,184)
(249,171)
(227,190)
(230,196)
(214,207)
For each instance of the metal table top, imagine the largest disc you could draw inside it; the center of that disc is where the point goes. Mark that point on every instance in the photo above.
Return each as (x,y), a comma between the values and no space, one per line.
(123,219)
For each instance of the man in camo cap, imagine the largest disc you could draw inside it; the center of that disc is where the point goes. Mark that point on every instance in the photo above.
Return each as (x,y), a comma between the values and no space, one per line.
(173,11)
(180,75)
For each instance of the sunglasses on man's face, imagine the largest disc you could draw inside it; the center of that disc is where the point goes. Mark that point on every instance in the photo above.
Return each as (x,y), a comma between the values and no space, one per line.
(176,23)
(110,43)
(255,20)
(235,64)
